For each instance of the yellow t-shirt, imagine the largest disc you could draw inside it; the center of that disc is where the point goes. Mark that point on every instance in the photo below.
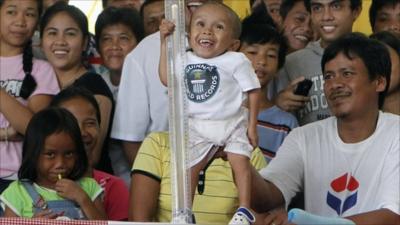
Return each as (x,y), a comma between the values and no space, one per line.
(218,202)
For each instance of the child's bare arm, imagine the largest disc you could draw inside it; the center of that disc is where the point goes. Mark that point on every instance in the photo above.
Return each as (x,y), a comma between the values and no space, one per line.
(253,100)
(68,189)
(166,28)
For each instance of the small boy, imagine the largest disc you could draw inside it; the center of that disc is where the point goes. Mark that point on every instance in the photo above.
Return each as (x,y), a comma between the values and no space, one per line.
(218,81)
(266,49)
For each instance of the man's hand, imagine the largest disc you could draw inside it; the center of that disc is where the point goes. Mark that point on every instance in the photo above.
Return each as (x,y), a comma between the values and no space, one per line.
(273,217)
(288,101)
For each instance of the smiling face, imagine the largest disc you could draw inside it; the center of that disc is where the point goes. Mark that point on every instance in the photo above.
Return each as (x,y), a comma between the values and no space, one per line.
(58,157)
(388,19)
(63,42)
(211,31)
(297,27)
(332,18)
(115,42)
(17,24)
(264,58)
(348,89)
(85,114)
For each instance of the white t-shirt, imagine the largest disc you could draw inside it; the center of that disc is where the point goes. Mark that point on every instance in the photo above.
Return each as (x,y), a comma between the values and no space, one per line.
(340,179)
(216,87)
(142,103)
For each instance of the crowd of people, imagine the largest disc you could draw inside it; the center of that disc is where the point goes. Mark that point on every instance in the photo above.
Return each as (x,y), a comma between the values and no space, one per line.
(84,117)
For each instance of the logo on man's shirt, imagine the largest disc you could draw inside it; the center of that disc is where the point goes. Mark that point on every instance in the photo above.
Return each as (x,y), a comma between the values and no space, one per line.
(344,187)
(202,82)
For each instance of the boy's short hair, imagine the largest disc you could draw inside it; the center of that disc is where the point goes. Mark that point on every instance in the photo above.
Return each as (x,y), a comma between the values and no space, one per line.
(125,16)
(354,4)
(73,92)
(373,53)
(389,39)
(286,6)
(263,34)
(378,5)
(236,23)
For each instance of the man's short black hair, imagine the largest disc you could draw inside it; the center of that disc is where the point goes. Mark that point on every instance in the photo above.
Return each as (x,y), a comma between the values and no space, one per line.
(373,53)
(114,16)
(354,4)
(378,5)
(388,39)
(286,6)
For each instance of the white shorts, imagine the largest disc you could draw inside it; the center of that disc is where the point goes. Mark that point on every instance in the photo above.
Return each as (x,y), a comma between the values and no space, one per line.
(209,135)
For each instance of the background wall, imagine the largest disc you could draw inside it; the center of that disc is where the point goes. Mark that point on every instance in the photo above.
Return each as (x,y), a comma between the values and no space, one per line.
(93,7)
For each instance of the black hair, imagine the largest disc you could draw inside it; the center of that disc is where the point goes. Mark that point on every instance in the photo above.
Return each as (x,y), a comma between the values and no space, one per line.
(104,3)
(286,6)
(72,92)
(259,15)
(377,5)
(373,53)
(76,14)
(43,124)
(262,34)
(113,16)
(354,4)
(146,3)
(389,39)
(29,83)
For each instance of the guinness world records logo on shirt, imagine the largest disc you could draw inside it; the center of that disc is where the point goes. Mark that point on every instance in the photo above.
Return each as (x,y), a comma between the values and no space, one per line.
(202,82)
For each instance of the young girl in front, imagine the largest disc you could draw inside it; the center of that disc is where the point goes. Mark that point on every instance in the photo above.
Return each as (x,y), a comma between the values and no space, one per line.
(51,182)
(26,84)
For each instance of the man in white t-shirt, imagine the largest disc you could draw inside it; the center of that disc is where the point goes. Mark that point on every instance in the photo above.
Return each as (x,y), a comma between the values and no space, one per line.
(347,165)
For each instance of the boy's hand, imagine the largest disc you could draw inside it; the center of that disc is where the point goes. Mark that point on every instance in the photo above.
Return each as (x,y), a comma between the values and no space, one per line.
(288,101)
(68,189)
(166,28)
(253,136)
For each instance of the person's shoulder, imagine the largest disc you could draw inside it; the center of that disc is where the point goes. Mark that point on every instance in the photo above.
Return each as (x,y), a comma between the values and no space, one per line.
(312,49)
(41,65)
(161,138)
(149,44)
(104,178)
(389,121)
(316,127)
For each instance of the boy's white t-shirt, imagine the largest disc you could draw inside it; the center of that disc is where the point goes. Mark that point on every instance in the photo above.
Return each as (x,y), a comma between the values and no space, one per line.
(216,87)
(340,179)
(11,77)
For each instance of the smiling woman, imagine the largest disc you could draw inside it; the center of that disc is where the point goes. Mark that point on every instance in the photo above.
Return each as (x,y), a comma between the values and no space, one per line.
(64,33)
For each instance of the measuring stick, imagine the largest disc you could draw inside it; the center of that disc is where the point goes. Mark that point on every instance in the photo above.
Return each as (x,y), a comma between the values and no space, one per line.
(178,122)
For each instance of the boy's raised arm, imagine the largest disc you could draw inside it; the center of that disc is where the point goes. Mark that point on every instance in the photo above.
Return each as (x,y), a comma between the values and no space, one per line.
(166,28)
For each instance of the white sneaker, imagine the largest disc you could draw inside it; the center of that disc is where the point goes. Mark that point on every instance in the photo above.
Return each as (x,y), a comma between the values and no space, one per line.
(243,216)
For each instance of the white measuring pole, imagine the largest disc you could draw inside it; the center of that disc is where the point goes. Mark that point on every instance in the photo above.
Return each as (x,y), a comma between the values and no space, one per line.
(178,132)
